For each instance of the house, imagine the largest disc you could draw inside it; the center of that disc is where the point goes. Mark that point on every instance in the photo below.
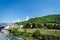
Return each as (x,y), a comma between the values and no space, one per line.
(9,26)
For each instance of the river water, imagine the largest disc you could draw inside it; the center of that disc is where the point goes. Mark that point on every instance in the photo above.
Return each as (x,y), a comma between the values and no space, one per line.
(5,35)
(2,37)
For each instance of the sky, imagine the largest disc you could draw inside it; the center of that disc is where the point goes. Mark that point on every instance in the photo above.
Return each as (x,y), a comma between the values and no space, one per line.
(20,10)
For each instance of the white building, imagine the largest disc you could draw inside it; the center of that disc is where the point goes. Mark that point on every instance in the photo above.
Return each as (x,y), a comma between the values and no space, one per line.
(9,26)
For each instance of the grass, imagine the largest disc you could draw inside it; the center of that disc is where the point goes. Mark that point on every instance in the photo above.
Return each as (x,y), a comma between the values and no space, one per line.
(29,38)
(44,31)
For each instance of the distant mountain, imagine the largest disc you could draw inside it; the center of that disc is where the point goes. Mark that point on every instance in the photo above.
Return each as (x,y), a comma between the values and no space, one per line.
(44,19)
(3,24)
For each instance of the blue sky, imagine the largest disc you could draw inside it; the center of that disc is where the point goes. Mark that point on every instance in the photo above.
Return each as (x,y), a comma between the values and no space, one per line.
(11,10)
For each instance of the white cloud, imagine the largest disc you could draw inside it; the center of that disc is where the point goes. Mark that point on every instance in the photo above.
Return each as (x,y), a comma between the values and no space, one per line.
(18,20)
(27,18)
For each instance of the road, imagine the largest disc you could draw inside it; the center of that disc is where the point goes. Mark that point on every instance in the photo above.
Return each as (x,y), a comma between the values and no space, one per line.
(2,37)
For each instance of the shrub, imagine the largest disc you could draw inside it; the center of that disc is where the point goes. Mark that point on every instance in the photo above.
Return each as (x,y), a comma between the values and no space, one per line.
(15,32)
(36,34)
(25,33)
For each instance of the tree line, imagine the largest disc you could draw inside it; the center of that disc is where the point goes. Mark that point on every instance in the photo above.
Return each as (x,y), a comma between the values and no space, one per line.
(41,25)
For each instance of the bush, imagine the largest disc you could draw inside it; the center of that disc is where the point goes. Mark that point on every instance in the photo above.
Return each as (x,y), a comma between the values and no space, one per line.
(36,34)
(25,33)
(15,31)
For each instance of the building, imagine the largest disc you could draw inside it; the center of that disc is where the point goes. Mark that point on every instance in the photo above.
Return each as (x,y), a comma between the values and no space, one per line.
(9,26)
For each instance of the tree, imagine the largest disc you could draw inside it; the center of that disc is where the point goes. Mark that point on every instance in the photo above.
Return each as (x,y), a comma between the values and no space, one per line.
(34,25)
(55,26)
(27,25)
(39,25)
(18,23)
(49,26)
(58,26)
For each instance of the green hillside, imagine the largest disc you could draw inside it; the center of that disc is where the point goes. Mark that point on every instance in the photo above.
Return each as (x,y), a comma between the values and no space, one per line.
(44,19)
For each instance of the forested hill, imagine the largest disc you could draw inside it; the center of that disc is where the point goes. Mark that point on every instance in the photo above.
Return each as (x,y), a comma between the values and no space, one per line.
(44,19)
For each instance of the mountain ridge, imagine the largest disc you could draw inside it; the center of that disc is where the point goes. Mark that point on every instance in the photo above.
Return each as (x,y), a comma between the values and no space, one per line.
(44,19)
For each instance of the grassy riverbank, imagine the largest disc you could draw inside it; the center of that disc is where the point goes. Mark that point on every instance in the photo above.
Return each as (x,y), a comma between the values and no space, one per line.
(33,34)
(44,31)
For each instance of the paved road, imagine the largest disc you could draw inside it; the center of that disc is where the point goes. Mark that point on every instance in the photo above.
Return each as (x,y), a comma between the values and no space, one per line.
(2,37)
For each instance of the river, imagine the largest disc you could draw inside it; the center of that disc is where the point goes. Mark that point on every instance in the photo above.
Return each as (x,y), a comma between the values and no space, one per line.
(2,37)
(5,35)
